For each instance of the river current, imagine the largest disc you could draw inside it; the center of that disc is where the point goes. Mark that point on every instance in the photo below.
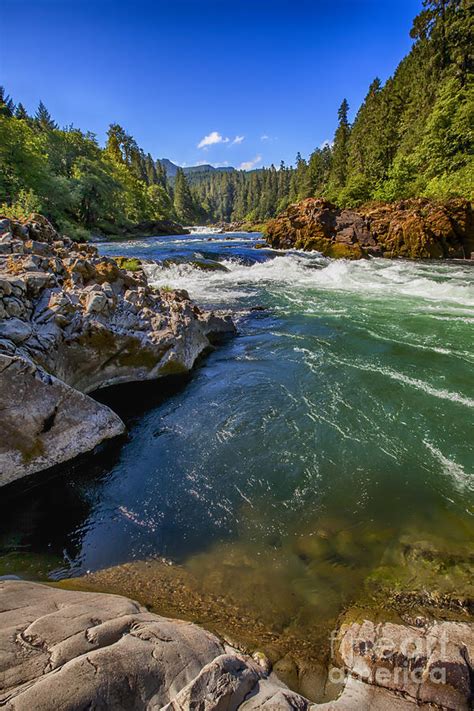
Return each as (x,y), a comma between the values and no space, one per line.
(318,451)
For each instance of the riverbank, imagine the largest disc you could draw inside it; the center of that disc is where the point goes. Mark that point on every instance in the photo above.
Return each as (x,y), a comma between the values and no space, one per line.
(145,228)
(417,228)
(69,645)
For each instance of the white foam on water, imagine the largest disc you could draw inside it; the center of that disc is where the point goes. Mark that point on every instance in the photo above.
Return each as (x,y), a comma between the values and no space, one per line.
(463,355)
(416,383)
(462,479)
(311,271)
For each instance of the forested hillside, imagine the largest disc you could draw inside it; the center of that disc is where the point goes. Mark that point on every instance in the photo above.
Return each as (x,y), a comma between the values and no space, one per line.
(412,136)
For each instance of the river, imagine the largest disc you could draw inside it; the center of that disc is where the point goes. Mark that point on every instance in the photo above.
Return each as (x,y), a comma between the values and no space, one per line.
(322,454)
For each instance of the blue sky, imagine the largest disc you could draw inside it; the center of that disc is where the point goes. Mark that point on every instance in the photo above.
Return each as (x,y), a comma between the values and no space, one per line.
(261,79)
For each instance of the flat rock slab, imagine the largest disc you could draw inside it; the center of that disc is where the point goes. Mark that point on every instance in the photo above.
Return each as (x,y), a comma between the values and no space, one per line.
(67,650)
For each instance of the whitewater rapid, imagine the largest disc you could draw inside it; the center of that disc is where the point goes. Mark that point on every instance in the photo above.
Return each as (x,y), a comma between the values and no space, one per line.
(374,277)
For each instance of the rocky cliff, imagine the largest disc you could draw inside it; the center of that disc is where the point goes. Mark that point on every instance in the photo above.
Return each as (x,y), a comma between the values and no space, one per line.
(77,650)
(72,322)
(414,229)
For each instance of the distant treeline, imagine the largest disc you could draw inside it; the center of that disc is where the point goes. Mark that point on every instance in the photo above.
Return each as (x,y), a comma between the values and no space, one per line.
(412,136)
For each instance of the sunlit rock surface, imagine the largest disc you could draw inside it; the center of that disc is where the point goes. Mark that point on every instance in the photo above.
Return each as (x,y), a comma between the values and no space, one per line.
(87,650)
(415,229)
(72,321)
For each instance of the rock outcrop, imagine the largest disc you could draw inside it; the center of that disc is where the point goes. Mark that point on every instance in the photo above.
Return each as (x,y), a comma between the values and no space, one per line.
(414,229)
(74,650)
(72,322)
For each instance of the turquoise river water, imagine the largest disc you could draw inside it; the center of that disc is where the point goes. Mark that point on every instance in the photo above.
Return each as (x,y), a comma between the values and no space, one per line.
(304,456)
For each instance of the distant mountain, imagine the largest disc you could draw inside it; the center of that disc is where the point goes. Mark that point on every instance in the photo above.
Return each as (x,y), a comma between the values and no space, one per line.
(194,170)
(171,168)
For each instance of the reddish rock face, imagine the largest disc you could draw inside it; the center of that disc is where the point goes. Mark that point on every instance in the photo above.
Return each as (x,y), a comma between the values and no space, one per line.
(415,229)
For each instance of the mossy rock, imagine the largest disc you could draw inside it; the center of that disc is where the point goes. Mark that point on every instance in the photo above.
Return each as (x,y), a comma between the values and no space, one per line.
(130,264)
(173,367)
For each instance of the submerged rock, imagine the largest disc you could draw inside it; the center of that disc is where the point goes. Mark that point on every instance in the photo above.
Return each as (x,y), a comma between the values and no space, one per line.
(209,265)
(416,229)
(72,322)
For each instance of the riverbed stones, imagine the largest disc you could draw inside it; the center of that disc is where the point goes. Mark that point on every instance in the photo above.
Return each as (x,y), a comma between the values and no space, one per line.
(81,320)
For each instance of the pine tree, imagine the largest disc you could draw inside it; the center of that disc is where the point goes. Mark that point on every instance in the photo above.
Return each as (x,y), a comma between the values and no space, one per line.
(115,137)
(21,112)
(43,118)
(183,200)
(150,170)
(340,152)
(7,107)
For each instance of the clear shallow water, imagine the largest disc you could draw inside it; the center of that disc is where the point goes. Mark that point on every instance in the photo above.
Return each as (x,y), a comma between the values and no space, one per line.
(306,453)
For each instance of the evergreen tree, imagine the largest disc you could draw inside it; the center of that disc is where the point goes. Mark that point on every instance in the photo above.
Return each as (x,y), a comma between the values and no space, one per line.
(150,171)
(43,118)
(21,112)
(183,200)
(340,152)
(7,107)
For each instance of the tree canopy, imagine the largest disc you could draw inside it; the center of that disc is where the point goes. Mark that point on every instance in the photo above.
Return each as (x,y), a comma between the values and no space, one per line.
(411,136)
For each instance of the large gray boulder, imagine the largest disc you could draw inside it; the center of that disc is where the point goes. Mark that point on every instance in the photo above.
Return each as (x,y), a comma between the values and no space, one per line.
(66,650)
(43,420)
(75,322)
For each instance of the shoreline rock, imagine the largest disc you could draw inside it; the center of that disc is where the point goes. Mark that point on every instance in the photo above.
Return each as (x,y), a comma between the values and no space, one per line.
(87,650)
(417,228)
(72,322)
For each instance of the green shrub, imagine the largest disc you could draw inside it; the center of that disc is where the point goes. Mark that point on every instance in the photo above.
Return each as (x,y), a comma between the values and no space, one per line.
(26,203)
(130,264)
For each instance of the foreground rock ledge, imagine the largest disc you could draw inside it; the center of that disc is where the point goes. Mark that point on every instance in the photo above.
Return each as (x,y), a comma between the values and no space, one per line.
(72,322)
(78,650)
(415,229)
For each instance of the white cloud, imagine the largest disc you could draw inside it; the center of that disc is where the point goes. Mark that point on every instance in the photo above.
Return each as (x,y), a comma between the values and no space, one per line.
(238,139)
(249,164)
(264,137)
(211,139)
